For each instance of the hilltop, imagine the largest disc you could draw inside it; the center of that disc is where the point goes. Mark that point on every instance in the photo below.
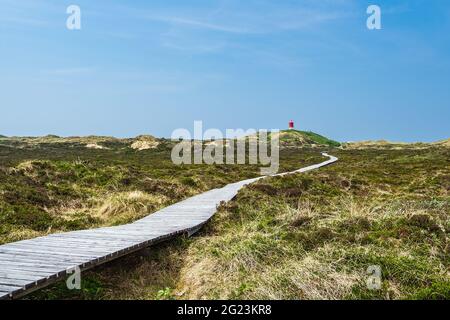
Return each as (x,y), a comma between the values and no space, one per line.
(389,145)
(288,138)
(145,142)
(295,138)
(443,143)
(142,142)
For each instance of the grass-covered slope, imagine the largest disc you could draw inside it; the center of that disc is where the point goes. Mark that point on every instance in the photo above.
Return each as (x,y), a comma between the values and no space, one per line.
(444,143)
(307,236)
(299,139)
(389,145)
(52,184)
(90,142)
(296,138)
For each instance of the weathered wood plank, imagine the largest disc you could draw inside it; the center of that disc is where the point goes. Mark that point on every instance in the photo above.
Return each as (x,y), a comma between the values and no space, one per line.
(31,269)
(54,259)
(39,273)
(44,251)
(9,289)
(17,281)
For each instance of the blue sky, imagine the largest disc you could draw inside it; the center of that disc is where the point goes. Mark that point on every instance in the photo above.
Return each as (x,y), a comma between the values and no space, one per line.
(153,66)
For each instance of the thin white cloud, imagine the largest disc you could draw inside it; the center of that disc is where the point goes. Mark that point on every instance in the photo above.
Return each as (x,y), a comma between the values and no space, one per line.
(70,71)
(260,17)
(164,88)
(23,21)
(194,48)
(213,30)
(191,22)
(25,13)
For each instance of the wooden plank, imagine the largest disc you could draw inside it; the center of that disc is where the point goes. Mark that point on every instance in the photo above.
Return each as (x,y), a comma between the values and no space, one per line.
(115,235)
(46,257)
(44,251)
(4,263)
(94,240)
(9,289)
(16,281)
(41,273)
(67,244)
(78,246)
(24,261)
(32,267)
(102,237)
(39,257)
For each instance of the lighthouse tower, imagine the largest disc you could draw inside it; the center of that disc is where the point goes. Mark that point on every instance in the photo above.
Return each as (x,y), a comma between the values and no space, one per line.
(291,125)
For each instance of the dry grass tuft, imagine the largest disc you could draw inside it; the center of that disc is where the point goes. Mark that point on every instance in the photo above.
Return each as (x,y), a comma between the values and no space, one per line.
(128,205)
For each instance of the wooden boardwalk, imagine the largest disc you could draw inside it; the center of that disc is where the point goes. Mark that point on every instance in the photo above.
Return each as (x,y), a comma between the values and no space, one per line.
(29,265)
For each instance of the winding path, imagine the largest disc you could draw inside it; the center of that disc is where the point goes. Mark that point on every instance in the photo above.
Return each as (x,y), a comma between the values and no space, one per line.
(28,265)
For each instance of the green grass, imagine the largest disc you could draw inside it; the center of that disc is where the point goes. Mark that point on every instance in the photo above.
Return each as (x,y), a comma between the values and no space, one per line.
(318,139)
(296,138)
(53,184)
(307,236)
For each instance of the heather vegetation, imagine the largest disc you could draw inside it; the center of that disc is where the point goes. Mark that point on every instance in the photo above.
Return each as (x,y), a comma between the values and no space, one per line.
(52,184)
(306,236)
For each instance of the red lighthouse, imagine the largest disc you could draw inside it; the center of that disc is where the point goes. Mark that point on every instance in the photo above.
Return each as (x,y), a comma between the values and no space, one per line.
(291,125)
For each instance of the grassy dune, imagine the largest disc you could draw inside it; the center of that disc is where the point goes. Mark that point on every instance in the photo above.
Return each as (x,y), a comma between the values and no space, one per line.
(53,184)
(306,236)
